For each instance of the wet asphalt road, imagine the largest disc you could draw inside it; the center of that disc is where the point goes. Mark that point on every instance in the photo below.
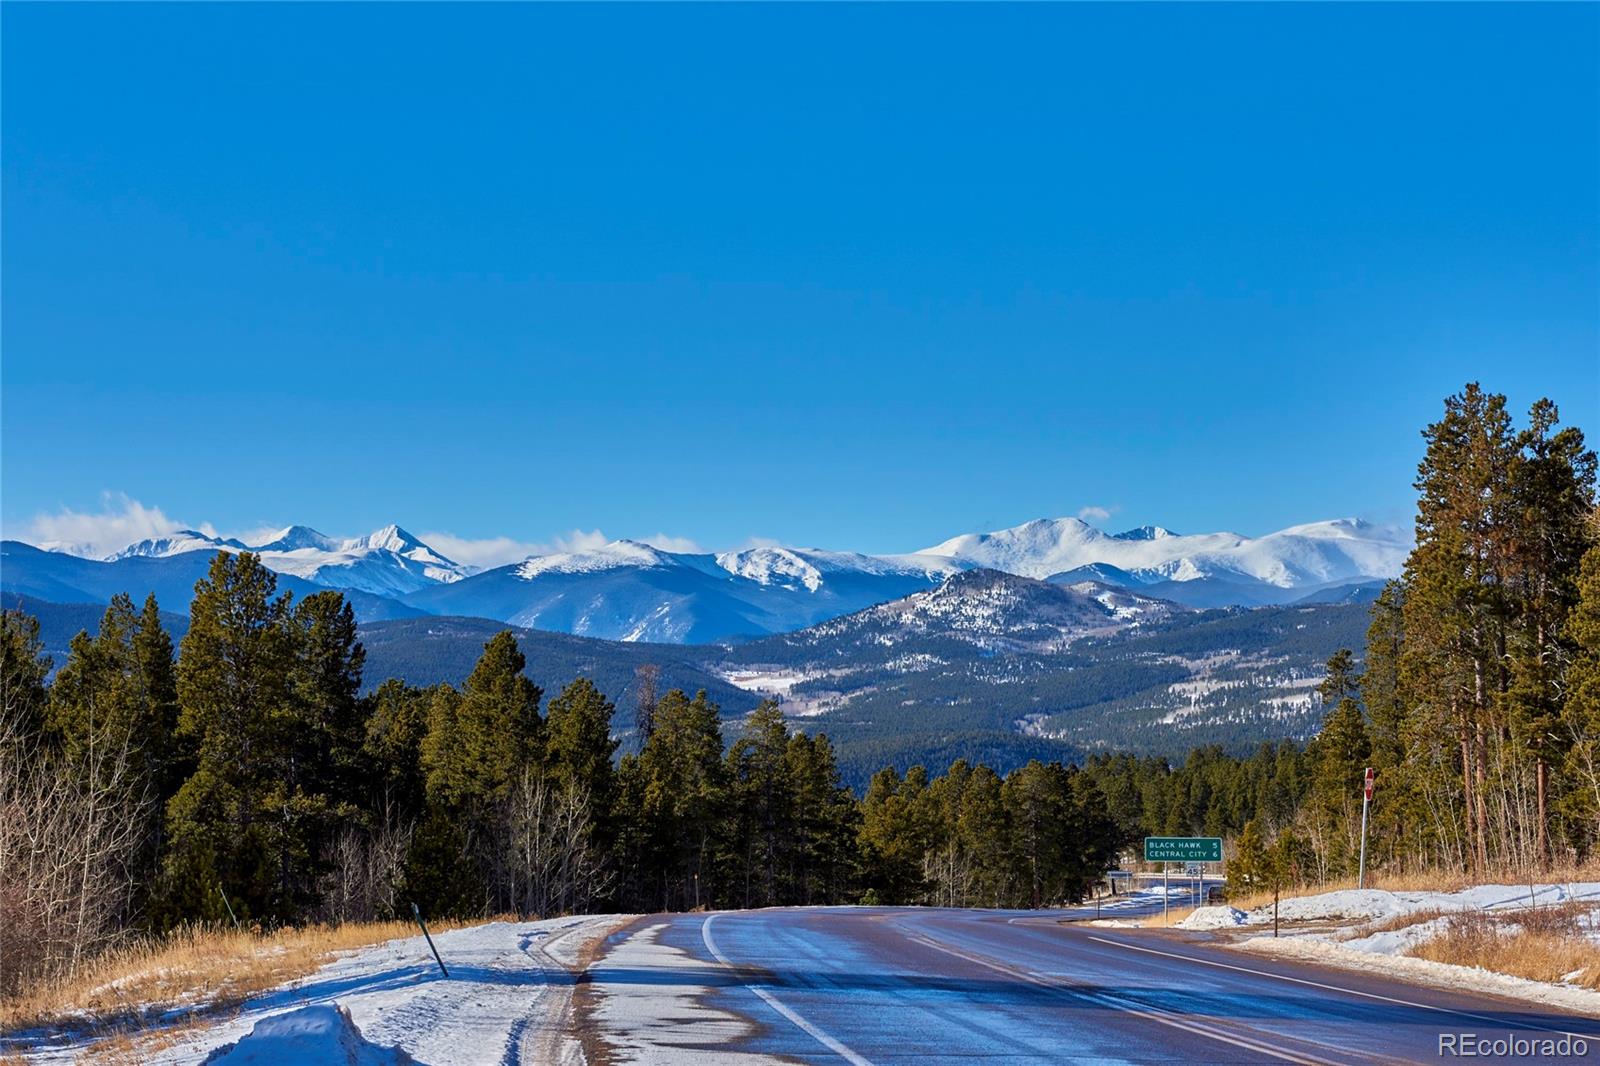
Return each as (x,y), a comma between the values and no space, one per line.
(899,985)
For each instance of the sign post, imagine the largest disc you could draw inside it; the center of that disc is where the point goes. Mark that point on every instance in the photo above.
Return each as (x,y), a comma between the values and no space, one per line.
(417,911)
(1366,801)
(1166,850)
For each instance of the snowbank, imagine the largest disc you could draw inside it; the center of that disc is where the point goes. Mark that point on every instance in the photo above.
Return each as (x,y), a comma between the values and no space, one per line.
(1351,904)
(1214,918)
(318,1035)
(1426,972)
(1397,941)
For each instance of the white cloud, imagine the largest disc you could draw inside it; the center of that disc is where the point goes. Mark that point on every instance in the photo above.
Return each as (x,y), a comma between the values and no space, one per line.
(253,535)
(1094,513)
(666,543)
(120,522)
(489,552)
(483,552)
(576,541)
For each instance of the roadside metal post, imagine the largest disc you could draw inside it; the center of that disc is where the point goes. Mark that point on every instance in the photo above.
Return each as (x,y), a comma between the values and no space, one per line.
(228,905)
(1166,893)
(1366,801)
(417,911)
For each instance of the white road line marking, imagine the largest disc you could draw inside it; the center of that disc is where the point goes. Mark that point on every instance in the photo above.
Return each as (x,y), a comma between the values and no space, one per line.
(1154,1014)
(815,1032)
(1347,991)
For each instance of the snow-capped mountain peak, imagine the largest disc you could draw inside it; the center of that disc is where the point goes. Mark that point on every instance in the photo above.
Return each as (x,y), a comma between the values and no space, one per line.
(392,538)
(810,568)
(612,556)
(298,538)
(184,540)
(1144,533)
(389,538)
(387,562)
(1310,555)
(772,566)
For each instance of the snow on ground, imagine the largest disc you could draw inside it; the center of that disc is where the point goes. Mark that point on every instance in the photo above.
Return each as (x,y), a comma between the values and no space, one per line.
(1397,941)
(1351,904)
(1427,972)
(774,682)
(507,999)
(318,1035)
(1214,918)
(1345,928)
(651,1006)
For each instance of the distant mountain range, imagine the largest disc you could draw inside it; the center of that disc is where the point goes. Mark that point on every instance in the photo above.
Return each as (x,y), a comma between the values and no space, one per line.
(630,591)
(985,666)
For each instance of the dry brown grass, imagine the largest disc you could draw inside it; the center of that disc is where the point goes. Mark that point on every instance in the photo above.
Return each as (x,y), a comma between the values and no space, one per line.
(1161,921)
(205,968)
(1404,921)
(1517,944)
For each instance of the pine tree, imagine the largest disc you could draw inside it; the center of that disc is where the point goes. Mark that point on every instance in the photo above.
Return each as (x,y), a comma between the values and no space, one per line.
(1380,681)
(1341,681)
(152,648)
(578,751)
(762,805)
(482,737)
(1552,490)
(684,795)
(985,837)
(23,669)
(1339,756)
(1581,711)
(823,859)
(112,710)
(893,836)
(579,745)
(1455,609)
(229,827)
(1037,809)
(331,727)
(484,746)
(396,725)
(1093,837)
(1249,868)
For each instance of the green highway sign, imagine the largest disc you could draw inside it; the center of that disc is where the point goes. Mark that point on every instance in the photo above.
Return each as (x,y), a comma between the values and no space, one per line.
(1182,849)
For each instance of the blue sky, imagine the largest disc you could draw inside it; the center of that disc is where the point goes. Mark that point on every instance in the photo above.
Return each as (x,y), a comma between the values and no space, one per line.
(857,277)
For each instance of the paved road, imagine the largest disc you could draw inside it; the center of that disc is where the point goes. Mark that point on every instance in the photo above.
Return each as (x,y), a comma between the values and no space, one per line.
(887,985)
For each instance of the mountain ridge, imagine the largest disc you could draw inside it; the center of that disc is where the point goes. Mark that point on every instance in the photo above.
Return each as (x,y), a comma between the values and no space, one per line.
(631,591)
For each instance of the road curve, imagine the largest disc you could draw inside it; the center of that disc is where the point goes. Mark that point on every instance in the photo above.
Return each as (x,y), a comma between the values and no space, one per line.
(894,985)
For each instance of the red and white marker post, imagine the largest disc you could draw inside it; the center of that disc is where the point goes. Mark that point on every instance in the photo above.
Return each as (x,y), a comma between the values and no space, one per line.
(1366,800)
